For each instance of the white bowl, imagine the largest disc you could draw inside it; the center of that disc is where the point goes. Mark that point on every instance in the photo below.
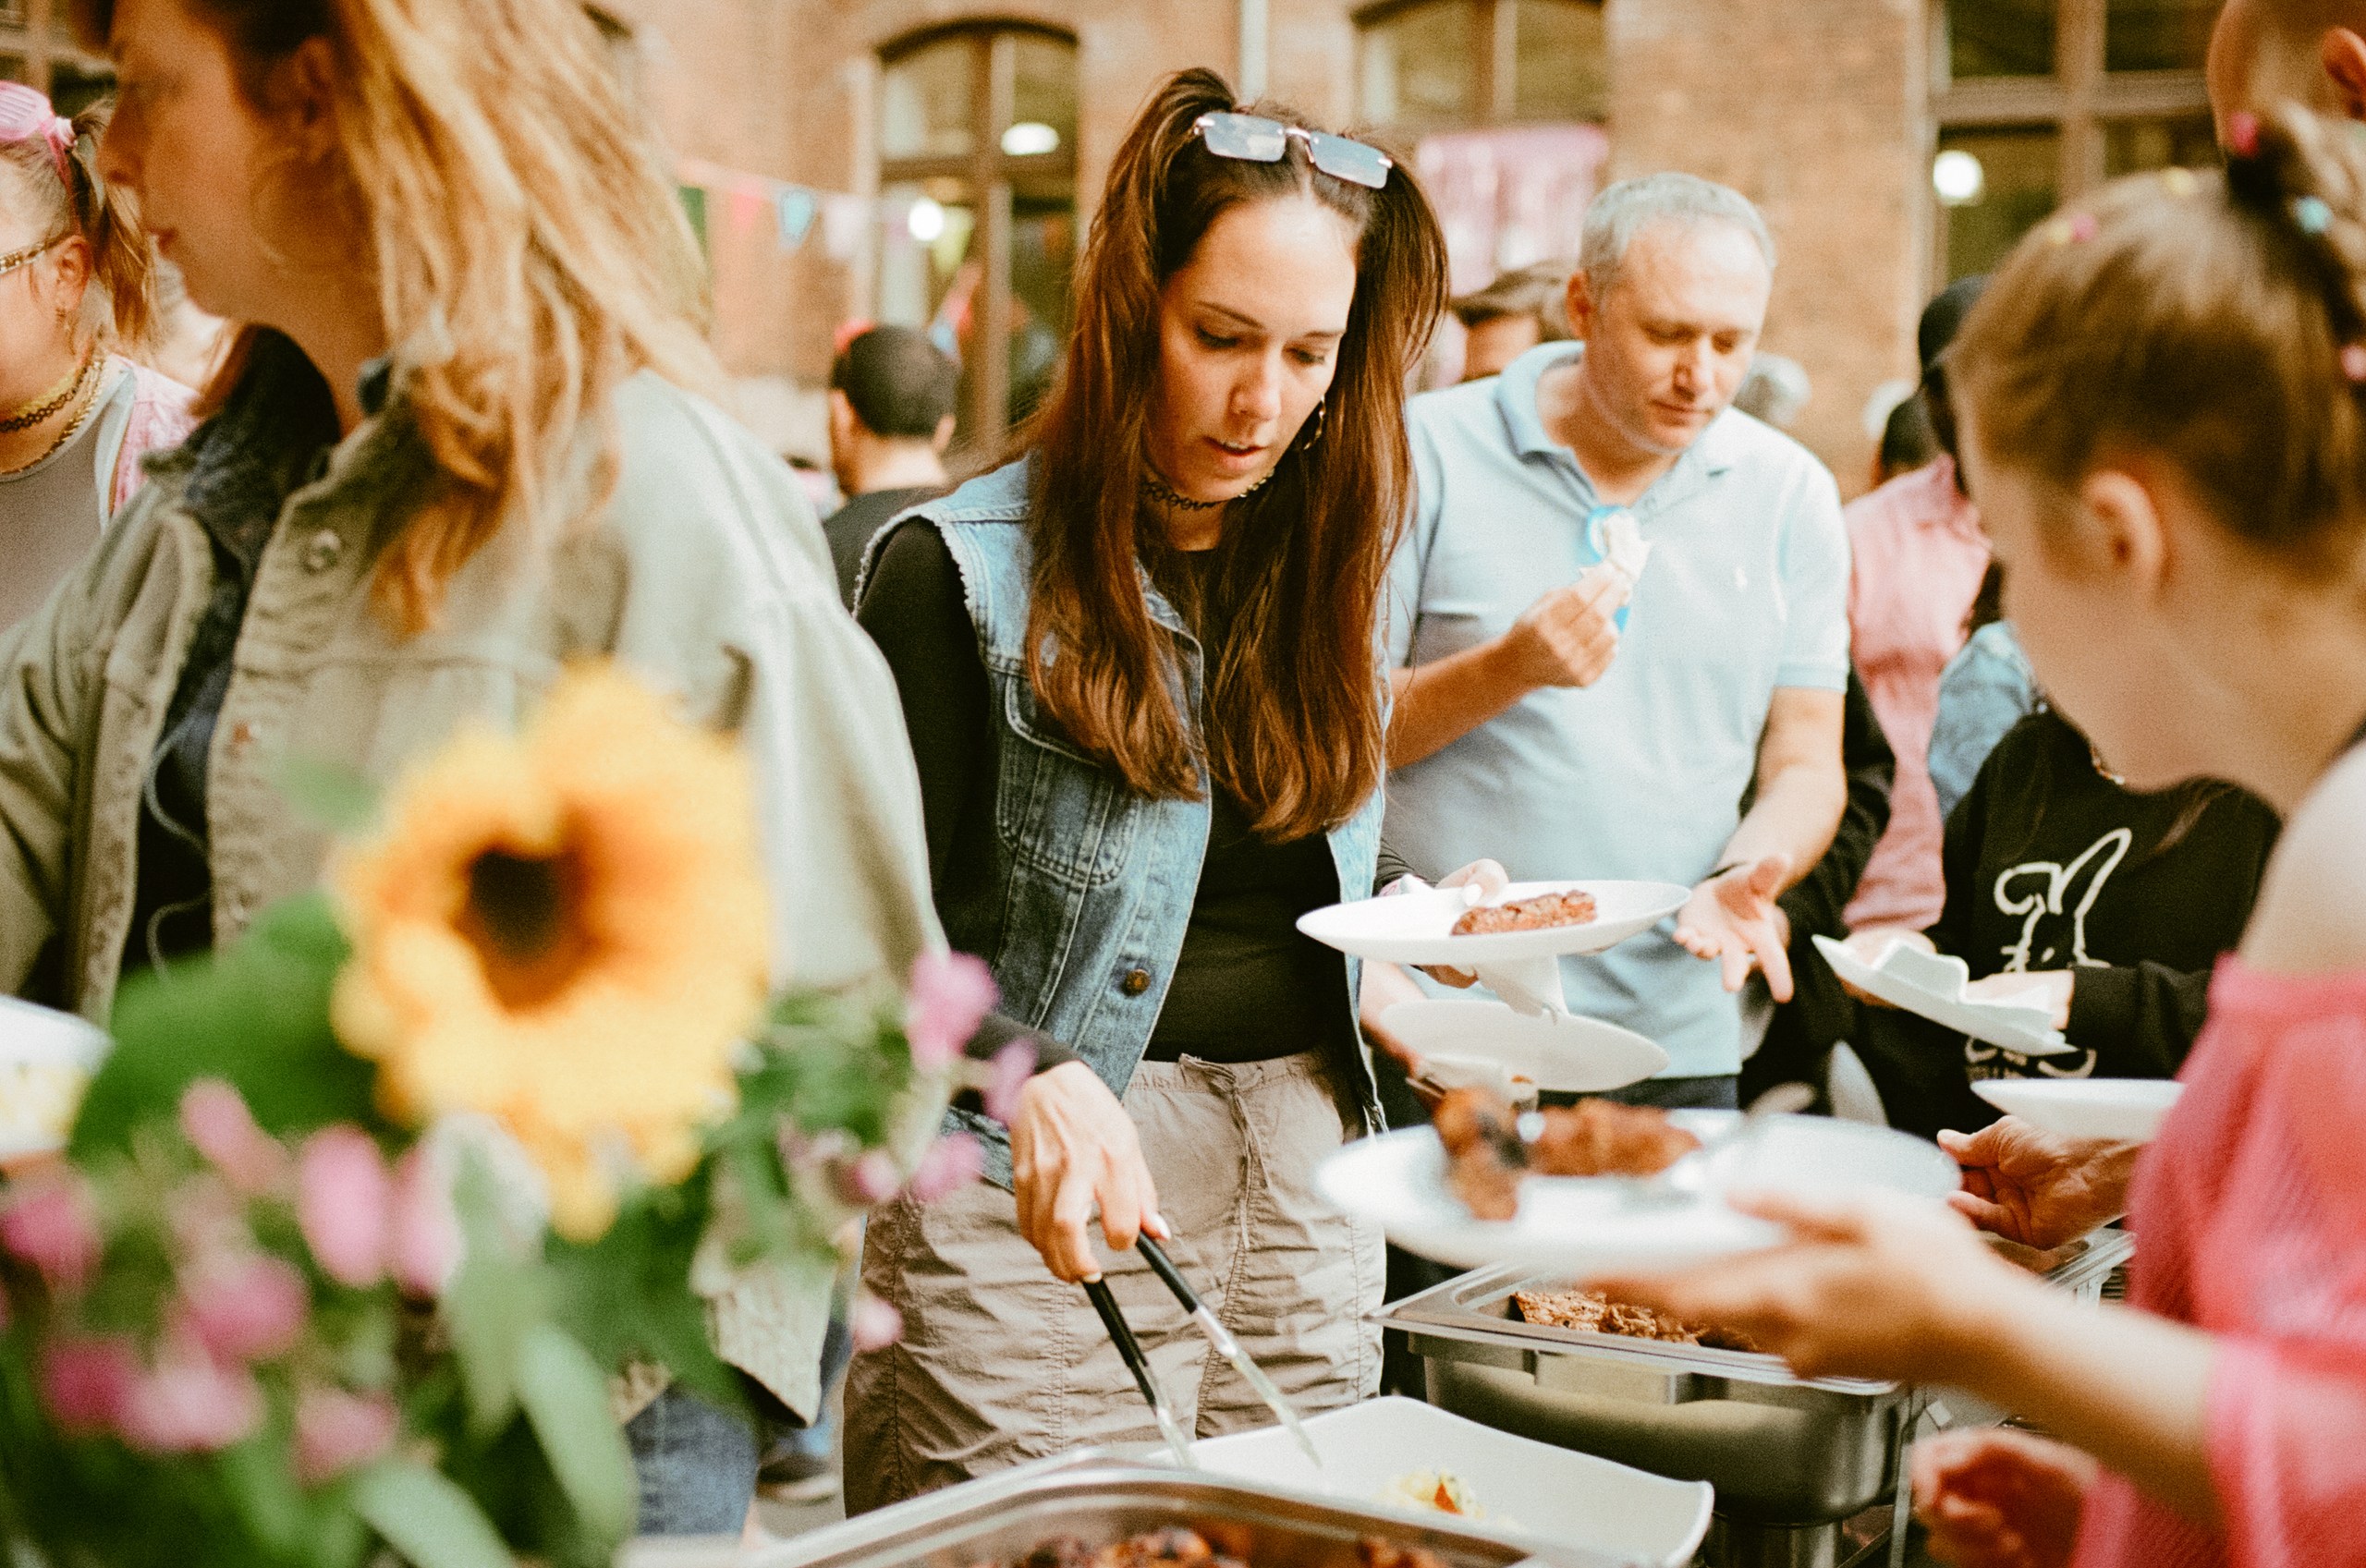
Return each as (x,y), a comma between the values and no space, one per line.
(2123,1110)
(1531,1490)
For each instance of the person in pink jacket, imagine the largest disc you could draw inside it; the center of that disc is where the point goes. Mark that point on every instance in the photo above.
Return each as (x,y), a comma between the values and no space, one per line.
(2163,397)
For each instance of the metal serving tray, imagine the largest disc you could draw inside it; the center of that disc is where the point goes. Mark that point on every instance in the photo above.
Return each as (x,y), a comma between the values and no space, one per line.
(1779,1449)
(1103,1498)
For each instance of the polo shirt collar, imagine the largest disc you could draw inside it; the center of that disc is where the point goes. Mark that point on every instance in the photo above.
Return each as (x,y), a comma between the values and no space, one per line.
(1711,454)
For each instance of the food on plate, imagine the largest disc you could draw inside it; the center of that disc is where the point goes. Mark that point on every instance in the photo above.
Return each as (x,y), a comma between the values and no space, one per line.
(1489,1147)
(1178,1547)
(1589,1311)
(1572,908)
(1441,1489)
(1601,1137)
(38,1099)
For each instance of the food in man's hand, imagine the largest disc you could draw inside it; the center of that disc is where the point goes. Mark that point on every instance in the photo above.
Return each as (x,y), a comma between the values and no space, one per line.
(1441,1489)
(1593,1312)
(1486,1155)
(1601,1137)
(1571,908)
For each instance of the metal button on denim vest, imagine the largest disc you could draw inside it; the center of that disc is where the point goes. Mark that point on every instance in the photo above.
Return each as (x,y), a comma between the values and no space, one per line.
(1093,884)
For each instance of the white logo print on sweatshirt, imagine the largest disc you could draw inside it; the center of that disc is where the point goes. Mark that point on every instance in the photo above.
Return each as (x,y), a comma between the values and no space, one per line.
(2042,893)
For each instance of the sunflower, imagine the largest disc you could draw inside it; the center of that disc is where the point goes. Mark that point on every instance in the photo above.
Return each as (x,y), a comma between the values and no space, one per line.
(564,930)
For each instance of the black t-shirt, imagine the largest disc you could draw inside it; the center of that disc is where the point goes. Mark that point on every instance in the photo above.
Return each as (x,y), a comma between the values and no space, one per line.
(849,528)
(1247,986)
(2051,865)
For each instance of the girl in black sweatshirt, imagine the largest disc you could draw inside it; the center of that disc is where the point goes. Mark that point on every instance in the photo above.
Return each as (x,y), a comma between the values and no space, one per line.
(2062,879)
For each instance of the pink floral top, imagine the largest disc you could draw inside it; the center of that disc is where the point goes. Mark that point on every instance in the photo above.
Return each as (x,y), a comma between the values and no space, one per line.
(1919,556)
(2251,1211)
(161,419)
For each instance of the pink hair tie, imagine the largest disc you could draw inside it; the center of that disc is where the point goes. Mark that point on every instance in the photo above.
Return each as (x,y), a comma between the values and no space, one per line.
(25,114)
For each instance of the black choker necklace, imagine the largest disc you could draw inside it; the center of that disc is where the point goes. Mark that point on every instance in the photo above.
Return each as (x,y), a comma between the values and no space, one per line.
(1167,494)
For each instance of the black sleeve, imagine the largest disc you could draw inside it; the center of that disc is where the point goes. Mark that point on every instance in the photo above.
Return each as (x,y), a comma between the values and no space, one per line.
(1815,903)
(2140,1020)
(1967,832)
(913,610)
(1390,866)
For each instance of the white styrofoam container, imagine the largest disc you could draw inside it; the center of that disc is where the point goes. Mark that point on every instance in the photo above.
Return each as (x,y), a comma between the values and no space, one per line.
(1531,1491)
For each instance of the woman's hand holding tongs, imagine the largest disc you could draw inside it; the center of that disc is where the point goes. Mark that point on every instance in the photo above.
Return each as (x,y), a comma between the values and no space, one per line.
(1073,1147)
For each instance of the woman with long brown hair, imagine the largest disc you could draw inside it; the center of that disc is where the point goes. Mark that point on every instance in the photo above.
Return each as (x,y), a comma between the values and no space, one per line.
(457,445)
(1141,668)
(76,298)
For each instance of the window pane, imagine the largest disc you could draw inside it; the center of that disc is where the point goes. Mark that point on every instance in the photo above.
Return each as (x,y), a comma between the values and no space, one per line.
(2158,35)
(1418,68)
(2131,147)
(2000,38)
(1561,70)
(925,102)
(2014,191)
(1042,265)
(917,274)
(1042,93)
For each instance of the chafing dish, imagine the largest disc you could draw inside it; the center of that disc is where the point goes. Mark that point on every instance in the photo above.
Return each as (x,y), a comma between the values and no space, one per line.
(1102,1498)
(1782,1452)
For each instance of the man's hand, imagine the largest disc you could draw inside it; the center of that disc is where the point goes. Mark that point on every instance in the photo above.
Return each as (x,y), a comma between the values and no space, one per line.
(1733,920)
(1072,1146)
(1569,638)
(2036,1189)
(1994,1497)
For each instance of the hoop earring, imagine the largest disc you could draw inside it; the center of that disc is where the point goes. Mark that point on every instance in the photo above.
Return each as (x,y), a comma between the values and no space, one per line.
(1320,416)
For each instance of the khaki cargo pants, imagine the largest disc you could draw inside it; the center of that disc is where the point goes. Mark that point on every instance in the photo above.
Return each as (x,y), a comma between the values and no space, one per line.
(1002,1363)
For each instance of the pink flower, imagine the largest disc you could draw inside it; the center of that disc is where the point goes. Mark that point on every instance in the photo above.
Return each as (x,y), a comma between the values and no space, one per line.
(951,992)
(874,1178)
(216,1122)
(424,1249)
(342,1198)
(1008,1075)
(53,1226)
(874,1324)
(951,1163)
(249,1309)
(88,1383)
(336,1430)
(192,1404)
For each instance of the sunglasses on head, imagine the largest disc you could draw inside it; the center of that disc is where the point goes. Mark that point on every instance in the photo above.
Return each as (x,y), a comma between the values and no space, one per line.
(1253,139)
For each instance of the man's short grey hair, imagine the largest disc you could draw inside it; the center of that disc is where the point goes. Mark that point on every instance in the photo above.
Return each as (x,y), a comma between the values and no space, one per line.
(1627,209)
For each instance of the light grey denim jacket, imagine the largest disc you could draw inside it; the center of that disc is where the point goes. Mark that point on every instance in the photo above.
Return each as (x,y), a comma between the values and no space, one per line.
(705,575)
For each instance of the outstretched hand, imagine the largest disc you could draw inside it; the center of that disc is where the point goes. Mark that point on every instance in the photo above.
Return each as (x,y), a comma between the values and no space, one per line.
(1995,1497)
(2037,1188)
(1734,920)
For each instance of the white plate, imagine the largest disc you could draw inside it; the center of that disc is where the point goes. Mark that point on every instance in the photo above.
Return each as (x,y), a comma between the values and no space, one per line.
(46,1059)
(2123,1110)
(1471,1041)
(1580,1228)
(1533,1491)
(1930,985)
(1417,928)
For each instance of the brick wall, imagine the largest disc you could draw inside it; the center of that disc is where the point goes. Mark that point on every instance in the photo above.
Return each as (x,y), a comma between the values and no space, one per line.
(1815,108)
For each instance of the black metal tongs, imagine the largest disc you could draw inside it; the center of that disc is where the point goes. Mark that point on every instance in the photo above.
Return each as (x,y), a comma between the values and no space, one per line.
(1105,1301)
(1225,1346)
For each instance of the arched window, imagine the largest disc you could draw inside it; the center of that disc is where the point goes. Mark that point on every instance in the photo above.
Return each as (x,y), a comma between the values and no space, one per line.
(2037,102)
(977,149)
(1426,66)
(38,48)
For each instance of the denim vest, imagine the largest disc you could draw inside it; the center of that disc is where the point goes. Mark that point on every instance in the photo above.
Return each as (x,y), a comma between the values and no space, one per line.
(1093,884)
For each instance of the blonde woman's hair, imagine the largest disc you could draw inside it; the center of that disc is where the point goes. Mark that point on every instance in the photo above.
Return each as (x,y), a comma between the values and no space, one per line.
(531,254)
(121,309)
(2216,322)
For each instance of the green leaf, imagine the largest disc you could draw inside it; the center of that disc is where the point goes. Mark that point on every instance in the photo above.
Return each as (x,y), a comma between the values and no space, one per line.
(493,1303)
(326,794)
(256,1013)
(627,1296)
(427,1518)
(567,1399)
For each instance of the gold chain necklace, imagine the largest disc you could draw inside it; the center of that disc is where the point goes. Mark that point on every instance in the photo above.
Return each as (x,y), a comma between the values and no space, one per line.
(73,428)
(30,414)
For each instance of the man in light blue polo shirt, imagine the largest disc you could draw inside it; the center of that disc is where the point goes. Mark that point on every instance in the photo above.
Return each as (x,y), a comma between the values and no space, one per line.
(1549,719)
